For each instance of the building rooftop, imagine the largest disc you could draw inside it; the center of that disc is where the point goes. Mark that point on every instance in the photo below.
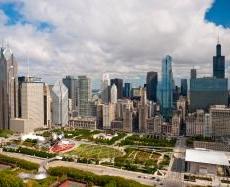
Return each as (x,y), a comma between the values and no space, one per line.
(207,156)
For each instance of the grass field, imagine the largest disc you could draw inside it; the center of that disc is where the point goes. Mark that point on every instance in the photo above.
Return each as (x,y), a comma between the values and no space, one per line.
(95,151)
(141,157)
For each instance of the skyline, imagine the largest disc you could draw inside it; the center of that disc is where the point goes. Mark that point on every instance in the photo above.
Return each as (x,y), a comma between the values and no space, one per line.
(84,40)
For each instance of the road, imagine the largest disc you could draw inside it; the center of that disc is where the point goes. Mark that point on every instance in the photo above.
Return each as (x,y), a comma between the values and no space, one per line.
(96,169)
(174,177)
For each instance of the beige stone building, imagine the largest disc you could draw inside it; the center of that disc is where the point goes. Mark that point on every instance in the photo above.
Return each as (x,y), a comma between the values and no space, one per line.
(32,108)
(220,120)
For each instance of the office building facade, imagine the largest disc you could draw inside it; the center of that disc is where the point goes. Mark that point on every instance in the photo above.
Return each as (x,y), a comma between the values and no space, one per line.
(151,85)
(166,88)
(218,64)
(119,84)
(184,87)
(127,90)
(84,95)
(208,91)
(8,88)
(59,97)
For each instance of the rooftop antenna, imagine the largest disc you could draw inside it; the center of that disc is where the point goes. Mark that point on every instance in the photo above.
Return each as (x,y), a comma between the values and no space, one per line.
(28,67)
(218,38)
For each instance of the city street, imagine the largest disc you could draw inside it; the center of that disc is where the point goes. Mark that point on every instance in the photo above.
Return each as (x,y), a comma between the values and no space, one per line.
(174,177)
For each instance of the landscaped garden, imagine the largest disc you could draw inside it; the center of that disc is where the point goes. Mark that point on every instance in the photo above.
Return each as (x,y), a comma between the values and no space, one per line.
(148,140)
(5,133)
(90,151)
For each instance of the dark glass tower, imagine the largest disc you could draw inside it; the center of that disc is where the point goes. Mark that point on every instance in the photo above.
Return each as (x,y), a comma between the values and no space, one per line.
(127,90)
(184,87)
(151,85)
(193,74)
(119,84)
(218,63)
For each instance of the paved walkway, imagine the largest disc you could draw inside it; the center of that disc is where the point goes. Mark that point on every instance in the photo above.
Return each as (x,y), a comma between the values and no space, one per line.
(97,169)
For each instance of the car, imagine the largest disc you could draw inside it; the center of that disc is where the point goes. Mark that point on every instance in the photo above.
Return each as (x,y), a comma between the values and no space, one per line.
(139,176)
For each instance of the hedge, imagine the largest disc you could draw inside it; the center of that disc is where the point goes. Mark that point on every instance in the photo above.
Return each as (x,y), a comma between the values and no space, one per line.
(18,162)
(93,179)
(7,179)
(32,152)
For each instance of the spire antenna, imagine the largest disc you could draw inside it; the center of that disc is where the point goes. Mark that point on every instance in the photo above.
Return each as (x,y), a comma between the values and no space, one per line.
(218,38)
(28,67)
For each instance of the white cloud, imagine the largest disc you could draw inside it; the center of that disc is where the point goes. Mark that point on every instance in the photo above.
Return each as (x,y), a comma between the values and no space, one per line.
(126,37)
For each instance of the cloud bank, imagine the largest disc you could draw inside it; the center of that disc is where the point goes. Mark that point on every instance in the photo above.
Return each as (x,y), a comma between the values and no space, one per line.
(127,38)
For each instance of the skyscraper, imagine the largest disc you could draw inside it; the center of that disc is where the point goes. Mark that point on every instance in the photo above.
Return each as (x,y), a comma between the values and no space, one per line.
(193,74)
(184,87)
(84,95)
(8,87)
(151,85)
(208,91)
(119,84)
(143,111)
(105,88)
(71,83)
(166,88)
(218,63)
(31,106)
(114,94)
(59,96)
(127,90)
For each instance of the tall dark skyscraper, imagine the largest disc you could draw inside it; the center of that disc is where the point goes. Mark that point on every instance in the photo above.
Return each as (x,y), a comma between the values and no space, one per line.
(119,84)
(127,90)
(71,83)
(193,73)
(184,87)
(151,86)
(218,63)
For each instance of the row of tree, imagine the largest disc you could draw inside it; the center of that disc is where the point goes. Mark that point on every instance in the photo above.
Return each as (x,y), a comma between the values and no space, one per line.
(92,179)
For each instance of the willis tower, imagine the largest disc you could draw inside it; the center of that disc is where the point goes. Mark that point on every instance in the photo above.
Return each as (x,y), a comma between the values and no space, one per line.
(218,63)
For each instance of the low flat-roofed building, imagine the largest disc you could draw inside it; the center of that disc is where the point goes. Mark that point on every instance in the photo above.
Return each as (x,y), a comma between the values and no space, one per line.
(204,161)
(83,123)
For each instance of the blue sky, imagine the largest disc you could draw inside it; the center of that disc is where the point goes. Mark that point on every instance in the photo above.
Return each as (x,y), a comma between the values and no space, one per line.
(14,13)
(219,13)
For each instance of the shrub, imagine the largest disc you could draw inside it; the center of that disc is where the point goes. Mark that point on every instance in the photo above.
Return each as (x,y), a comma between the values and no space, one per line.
(18,162)
(8,179)
(102,180)
(32,152)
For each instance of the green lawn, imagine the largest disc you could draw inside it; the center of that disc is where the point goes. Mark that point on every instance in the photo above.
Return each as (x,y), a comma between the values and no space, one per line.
(141,157)
(95,151)
(148,140)
(5,133)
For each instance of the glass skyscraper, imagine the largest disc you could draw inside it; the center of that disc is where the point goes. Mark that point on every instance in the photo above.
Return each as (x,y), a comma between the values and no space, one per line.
(8,87)
(151,85)
(184,87)
(127,90)
(218,64)
(166,88)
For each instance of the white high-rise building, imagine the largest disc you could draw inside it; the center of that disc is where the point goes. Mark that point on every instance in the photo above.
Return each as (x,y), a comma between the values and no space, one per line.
(114,94)
(59,97)
(108,115)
